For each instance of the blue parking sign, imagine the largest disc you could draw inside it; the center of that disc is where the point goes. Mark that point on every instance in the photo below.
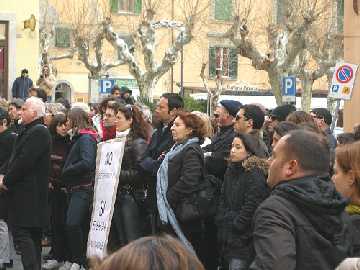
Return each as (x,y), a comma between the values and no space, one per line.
(106,85)
(289,88)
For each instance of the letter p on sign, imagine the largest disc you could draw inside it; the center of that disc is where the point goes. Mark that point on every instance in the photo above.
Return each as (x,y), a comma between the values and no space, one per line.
(289,88)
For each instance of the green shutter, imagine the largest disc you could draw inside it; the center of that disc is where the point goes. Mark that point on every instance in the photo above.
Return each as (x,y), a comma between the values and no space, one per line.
(114,5)
(233,63)
(138,6)
(340,16)
(62,37)
(223,10)
(212,62)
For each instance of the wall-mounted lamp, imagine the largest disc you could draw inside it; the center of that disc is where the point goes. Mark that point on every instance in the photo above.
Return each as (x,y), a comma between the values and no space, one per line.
(30,23)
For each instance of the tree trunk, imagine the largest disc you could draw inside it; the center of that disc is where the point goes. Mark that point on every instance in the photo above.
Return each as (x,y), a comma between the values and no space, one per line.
(214,98)
(146,87)
(306,96)
(275,82)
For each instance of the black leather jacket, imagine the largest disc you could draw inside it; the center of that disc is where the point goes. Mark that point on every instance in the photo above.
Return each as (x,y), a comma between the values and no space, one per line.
(134,151)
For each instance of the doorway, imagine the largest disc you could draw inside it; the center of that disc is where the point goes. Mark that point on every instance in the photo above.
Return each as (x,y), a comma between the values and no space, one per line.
(4,46)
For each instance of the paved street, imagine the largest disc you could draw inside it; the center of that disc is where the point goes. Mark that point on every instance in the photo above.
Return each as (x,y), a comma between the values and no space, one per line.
(17,261)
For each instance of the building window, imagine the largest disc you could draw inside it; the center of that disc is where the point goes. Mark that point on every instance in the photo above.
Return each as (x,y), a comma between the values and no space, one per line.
(223,60)
(223,10)
(62,37)
(340,15)
(126,6)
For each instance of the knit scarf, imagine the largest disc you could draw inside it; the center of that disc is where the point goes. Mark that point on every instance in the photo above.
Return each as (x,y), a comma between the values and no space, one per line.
(166,213)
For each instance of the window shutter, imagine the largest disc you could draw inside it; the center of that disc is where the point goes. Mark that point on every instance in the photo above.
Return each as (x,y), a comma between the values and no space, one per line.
(138,7)
(114,5)
(233,63)
(212,62)
(223,10)
(62,37)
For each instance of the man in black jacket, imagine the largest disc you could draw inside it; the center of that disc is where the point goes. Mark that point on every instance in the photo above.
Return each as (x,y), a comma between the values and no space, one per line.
(218,151)
(303,224)
(7,137)
(160,144)
(25,178)
(250,119)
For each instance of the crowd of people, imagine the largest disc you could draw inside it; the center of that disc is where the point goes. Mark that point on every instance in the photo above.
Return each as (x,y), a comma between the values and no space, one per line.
(246,189)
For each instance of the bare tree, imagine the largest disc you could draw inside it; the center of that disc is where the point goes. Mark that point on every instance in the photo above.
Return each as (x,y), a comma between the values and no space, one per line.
(85,19)
(325,51)
(147,71)
(286,39)
(213,93)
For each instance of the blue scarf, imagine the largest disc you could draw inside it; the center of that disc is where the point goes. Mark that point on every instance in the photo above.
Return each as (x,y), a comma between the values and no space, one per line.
(166,213)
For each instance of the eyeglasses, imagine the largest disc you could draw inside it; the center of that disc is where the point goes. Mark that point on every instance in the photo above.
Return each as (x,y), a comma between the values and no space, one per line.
(216,115)
(238,117)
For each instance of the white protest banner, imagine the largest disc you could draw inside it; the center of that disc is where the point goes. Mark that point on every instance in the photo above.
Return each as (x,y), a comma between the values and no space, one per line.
(108,165)
(343,81)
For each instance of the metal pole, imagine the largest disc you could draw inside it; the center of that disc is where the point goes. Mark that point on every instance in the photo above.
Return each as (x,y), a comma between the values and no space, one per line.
(182,67)
(335,116)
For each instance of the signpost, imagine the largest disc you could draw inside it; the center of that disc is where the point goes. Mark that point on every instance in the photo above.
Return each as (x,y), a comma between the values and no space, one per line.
(343,81)
(342,84)
(289,89)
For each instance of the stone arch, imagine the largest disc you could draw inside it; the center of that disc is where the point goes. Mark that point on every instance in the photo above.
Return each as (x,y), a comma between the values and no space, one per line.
(64,89)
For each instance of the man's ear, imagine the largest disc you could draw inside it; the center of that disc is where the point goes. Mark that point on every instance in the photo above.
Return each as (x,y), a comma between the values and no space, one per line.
(173,112)
(251,123)
(292,167)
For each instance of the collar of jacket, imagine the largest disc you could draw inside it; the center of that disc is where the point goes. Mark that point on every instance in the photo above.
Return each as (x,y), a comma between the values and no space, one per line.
(226,128)
(34,123)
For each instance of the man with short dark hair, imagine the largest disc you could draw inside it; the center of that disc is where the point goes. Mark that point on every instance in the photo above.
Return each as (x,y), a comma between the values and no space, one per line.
(161,142)
(21,85)
(115,91)
(303,224)
(126,95)
(7,137)
(218,151)
(323,119)
(14,111)
(250,119)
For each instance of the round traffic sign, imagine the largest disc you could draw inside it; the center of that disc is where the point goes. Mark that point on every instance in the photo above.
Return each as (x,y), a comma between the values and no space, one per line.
(344,74)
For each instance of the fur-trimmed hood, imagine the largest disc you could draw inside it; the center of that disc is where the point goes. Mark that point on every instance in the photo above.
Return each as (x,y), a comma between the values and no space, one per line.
(256,162)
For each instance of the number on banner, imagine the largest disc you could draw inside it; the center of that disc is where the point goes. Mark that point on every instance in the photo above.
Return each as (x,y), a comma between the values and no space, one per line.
(102,207)
(108,158)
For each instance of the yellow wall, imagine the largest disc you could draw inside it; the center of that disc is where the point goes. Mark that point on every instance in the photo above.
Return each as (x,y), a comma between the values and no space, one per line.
(195,53)
(27,42)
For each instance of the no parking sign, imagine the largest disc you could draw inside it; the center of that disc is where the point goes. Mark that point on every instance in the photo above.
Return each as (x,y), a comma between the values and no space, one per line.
(343,81)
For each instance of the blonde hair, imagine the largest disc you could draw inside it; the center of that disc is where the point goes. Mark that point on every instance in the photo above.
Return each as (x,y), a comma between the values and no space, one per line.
(209,131)
(348,158)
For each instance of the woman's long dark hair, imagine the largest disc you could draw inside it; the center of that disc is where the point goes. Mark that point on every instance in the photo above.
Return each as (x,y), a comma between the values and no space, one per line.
(58,119)
(139,127)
